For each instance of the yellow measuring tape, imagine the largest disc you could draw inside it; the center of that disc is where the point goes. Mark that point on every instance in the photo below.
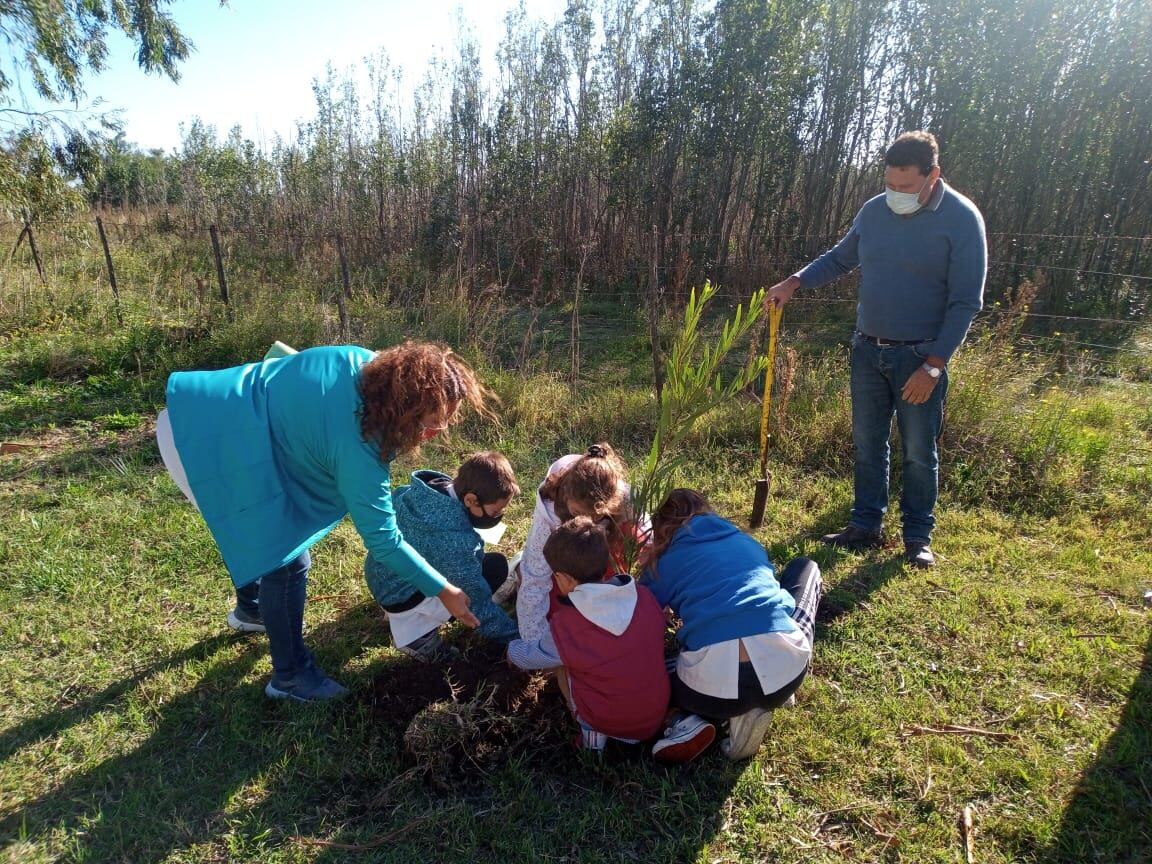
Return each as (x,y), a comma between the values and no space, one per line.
(775,314)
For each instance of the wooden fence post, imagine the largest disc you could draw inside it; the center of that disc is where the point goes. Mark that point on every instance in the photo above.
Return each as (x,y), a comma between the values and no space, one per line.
(341,295)
(26,231)
(343,266)
(111,269)
(342,311)
(19,240)
(574,373)
(221,278)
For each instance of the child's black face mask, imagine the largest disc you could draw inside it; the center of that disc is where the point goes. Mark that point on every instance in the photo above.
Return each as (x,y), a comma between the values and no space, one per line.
(485,519)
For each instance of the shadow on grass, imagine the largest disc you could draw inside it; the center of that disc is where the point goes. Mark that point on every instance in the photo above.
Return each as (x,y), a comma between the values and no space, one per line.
(870,569)
(173,789)
(1109,819)
(243,778)
(845,594)
(161,794)
(68,715)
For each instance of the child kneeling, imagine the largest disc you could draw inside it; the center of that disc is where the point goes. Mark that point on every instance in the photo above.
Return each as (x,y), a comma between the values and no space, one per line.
(439,516)
(746,638)
(605,639)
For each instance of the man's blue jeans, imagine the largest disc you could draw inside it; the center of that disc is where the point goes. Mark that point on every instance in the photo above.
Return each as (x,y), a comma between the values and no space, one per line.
(278,597)
(878,377)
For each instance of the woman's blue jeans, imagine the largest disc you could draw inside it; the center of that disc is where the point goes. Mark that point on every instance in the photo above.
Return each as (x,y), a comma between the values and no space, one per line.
(278,597)
(878,377)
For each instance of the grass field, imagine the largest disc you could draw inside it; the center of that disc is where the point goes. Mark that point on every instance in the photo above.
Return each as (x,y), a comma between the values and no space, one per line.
(1016,678)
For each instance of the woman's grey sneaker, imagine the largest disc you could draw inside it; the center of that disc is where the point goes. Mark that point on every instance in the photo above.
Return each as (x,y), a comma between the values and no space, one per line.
(746,733)
(325,689)
(428,649)
(240,620)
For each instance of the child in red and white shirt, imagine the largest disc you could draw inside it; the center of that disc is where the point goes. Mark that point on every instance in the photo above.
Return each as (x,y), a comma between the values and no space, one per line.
(604,638)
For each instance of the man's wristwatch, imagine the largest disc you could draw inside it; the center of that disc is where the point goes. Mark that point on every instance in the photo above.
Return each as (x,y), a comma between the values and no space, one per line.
(934,371)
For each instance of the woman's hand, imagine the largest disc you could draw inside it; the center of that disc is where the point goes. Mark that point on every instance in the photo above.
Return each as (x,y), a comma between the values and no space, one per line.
(458,603)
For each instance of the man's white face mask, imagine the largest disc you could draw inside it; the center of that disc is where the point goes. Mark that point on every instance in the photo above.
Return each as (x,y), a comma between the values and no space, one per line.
(904,203)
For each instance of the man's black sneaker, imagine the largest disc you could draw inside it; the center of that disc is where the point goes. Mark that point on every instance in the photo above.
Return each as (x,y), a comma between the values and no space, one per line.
(919,555)
(854,537)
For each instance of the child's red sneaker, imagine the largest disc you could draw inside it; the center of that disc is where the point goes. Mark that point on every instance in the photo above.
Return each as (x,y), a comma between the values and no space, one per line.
(684,740)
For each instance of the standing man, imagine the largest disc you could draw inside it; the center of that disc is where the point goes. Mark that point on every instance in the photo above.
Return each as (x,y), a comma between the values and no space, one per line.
(923,257)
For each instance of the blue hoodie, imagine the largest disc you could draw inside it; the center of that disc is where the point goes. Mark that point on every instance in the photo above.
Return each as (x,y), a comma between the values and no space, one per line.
(436,525)
(720,583)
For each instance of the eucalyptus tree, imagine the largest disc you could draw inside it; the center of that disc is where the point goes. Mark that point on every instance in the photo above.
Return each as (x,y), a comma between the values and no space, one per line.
(51,47)
(466,132)
(228,182)
(1044,110)
(55,44)
(751,87)
(662,117)
(721,138)
(844,124)
(117,174)
(528,145)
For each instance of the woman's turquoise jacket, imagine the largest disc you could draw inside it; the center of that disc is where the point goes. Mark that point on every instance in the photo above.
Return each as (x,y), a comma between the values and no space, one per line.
(275,459)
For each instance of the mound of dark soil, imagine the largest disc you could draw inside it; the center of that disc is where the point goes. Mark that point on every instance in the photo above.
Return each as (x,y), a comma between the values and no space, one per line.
(408,686)
(461,717)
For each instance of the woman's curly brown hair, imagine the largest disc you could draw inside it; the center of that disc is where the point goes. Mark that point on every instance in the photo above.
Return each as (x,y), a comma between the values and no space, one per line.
(406,383)
(680,506)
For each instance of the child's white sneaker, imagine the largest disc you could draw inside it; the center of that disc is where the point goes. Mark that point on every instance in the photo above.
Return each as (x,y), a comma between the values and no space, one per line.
(746,733)
(507,591)
(590,741)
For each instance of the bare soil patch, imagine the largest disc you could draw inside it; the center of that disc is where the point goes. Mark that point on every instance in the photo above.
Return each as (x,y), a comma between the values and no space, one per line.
(462,717)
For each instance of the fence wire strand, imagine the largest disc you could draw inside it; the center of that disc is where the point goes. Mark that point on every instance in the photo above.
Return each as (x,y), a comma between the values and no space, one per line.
(632,279)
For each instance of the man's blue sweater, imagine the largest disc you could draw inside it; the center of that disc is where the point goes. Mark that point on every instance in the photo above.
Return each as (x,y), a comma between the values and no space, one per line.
(921,276)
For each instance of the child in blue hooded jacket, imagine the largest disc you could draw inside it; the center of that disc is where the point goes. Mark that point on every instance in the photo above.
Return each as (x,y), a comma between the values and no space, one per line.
(746,638)
(439,517)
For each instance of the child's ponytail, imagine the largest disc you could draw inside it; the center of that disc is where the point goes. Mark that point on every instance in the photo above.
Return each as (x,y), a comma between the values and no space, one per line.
(603,450)
(596,483)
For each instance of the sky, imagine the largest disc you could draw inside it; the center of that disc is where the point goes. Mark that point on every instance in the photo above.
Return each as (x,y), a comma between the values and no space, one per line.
(255,60)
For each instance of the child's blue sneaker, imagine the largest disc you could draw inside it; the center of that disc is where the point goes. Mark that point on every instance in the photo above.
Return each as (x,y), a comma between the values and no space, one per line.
(240,620)
(301,691)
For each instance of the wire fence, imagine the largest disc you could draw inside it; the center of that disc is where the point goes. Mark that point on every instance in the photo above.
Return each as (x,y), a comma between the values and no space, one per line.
(212,272)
